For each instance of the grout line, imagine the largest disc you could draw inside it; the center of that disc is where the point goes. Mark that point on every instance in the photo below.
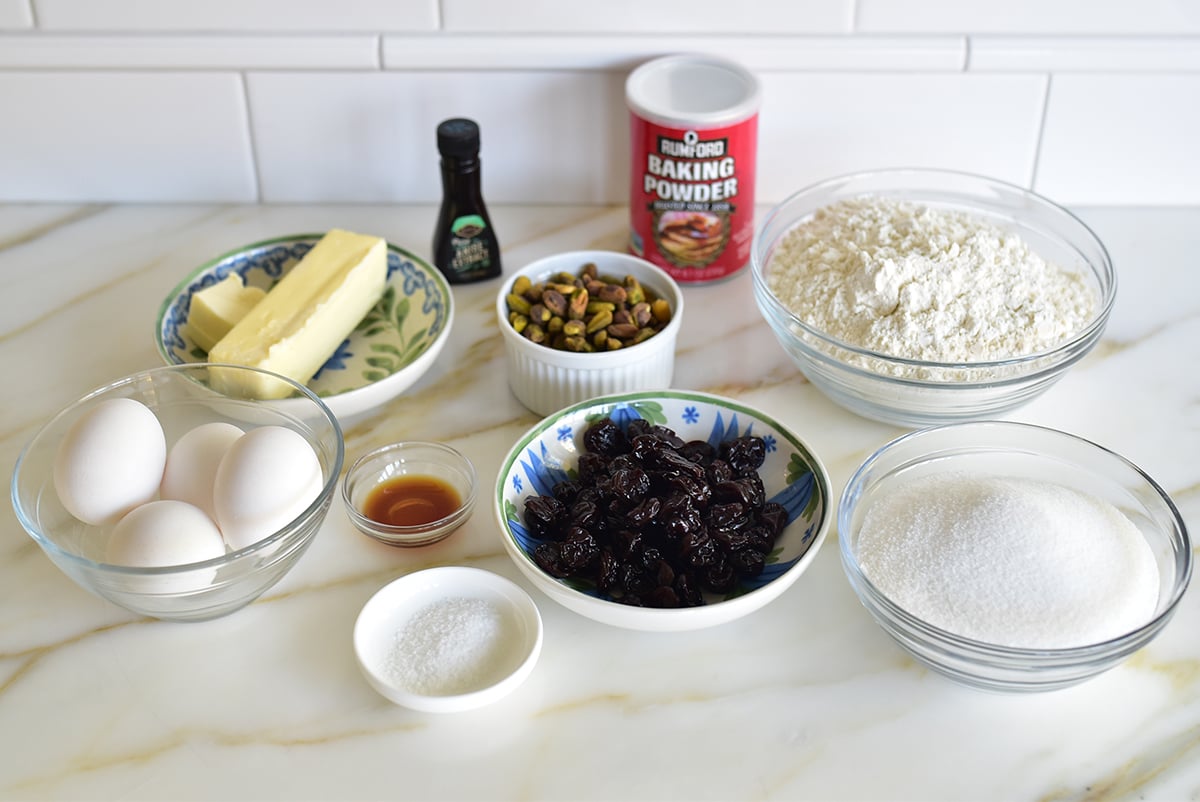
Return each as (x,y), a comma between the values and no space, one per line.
(379,52)
(255,161)
(966,54)
(1041,134)
(32,13)
(854,16)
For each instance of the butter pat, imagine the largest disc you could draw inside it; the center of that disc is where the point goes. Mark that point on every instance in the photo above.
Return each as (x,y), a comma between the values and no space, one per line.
(306,316)
(215,310)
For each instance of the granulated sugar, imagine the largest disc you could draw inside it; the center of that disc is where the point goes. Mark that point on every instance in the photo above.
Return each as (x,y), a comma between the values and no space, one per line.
(1009,561)
(918,282)
(451,646)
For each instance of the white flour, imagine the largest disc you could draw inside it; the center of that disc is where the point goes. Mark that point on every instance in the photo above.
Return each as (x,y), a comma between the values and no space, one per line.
(912,281)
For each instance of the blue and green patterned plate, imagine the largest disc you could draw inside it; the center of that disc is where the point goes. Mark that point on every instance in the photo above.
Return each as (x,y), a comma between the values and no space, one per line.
(792,476)
(390,349)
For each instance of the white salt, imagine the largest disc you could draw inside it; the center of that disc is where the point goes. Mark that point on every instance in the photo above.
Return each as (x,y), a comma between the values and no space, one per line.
(452,646)
(1010,561)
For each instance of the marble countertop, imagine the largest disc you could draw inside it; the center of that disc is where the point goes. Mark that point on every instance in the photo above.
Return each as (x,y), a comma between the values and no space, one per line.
(805,699)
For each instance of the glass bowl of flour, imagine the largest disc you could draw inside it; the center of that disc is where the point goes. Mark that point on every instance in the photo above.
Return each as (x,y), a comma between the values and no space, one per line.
(921,297)
(1012,557)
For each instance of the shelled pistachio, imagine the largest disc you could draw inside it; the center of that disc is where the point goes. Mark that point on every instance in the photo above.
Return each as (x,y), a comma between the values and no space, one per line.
(586,313)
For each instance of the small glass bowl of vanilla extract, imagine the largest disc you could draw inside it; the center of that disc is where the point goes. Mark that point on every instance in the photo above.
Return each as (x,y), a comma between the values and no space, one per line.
(412,493)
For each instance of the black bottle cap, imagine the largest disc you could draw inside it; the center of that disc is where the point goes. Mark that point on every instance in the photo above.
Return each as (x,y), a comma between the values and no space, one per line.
(458,137)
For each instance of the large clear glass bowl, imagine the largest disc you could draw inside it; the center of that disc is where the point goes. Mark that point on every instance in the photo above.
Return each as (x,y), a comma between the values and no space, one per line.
(918,393)
(999,448)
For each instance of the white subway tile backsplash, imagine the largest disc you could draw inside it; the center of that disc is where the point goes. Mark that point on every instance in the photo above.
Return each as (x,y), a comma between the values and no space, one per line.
(208,16)
(1085,54)
(547,136)
(15,14)
(71,51)
(653,17)
(624,52)
(1091,101)
(1121,139)
(821,125)
(553,138)
(1029,16)
(124,137)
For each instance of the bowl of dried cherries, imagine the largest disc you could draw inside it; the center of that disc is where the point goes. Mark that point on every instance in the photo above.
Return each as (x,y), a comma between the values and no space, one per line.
(662,510)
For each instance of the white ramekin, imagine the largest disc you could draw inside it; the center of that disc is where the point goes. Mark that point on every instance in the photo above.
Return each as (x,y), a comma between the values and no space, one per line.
(545,379)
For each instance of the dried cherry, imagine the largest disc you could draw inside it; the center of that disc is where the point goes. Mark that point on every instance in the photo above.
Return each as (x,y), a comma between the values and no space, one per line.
(591,467)
(719,471)
(606,573)
(747,562)
(604,437)
(549,559)
(579,549)
(644,513)
(656,521)
(773,516)
(720,577)
(744,454)
(699,451)
(630,485)
(544,515)
(587,514)
(566,492)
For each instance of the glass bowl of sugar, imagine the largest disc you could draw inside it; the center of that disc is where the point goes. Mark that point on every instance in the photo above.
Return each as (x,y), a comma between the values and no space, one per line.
(923,297)
(447,639)
(1012,557)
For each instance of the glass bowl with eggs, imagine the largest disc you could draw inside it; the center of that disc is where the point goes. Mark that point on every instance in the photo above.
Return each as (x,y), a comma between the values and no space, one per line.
(919,297)
(176,493)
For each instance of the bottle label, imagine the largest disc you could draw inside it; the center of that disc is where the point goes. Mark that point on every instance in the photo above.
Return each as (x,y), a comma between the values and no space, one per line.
(468,247)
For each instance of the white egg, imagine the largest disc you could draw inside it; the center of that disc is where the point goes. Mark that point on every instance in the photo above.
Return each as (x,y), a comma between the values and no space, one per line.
(267,478)
(192,464)
(110,461)
(165,532)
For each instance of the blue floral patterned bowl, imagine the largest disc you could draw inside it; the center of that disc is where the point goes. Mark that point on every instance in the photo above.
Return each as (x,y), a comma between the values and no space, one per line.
(792,477)
(390,349)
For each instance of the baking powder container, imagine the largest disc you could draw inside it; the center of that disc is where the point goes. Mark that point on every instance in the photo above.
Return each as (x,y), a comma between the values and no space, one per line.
(694,141)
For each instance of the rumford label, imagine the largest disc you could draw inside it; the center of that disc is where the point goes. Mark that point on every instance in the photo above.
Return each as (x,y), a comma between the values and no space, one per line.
(692,197)
(691,171)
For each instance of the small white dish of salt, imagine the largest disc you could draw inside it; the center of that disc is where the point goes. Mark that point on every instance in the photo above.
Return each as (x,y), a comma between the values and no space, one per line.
(448,639)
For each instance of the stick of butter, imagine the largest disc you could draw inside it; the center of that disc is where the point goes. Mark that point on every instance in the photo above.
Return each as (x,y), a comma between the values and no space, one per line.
(306,316)
(215,310)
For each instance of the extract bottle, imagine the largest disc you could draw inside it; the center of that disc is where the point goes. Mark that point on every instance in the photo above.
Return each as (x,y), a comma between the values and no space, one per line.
(465,248)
